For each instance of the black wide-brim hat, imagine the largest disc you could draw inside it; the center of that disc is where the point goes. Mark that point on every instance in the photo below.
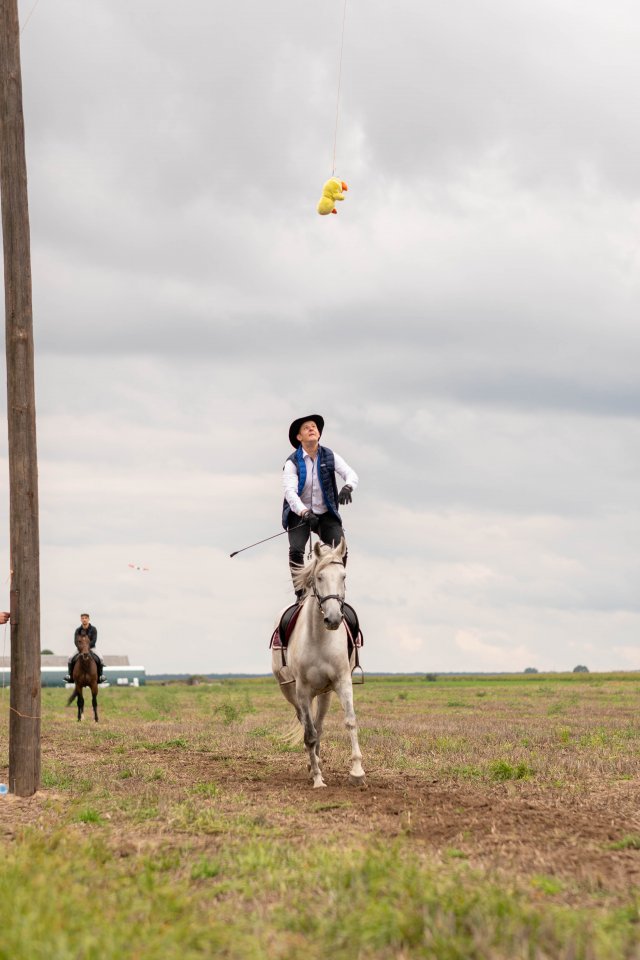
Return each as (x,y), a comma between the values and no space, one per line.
(294,429)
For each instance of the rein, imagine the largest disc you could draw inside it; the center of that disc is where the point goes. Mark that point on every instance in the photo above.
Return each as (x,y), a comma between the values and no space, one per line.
(329,596)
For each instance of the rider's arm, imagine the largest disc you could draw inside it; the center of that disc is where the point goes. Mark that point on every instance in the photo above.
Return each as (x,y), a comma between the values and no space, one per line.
(344,470)
(93,636)
(290,484)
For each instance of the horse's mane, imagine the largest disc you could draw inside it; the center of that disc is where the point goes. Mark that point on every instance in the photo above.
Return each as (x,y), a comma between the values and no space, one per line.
(302,578)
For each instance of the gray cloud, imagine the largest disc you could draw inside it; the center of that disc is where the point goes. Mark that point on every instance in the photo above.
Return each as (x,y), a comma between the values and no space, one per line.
(467,323)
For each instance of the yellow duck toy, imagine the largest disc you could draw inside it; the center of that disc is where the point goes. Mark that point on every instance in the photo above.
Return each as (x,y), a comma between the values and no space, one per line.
(332,191)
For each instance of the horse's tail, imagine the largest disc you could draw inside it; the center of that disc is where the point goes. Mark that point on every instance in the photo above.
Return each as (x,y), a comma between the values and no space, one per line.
(72,698)
(294,734)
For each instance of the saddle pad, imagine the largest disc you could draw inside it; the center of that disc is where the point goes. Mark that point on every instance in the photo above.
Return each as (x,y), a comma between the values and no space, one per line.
(350,618)
(288,619)
(282,632)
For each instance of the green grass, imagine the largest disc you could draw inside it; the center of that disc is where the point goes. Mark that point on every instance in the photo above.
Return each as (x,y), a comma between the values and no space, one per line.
(206,789)
(502,770)
(56,777)
(259,900)
(546,884)
(191,825)
(89,815)
(627,843)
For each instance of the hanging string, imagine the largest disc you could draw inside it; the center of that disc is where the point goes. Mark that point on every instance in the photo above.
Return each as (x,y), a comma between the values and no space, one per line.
(4,641)
(4,637)
(335,134)
(25,716)
(29,16)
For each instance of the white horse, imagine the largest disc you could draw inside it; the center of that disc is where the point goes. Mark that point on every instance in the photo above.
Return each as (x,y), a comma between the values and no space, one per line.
(317,658)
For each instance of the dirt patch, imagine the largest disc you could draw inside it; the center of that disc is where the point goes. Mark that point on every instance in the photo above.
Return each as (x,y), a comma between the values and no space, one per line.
(519,828)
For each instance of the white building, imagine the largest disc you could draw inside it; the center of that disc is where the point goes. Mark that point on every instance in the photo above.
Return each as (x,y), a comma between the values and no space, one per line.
(117,670)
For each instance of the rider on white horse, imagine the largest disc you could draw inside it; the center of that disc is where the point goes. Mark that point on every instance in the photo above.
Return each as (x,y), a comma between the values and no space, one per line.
(311,495)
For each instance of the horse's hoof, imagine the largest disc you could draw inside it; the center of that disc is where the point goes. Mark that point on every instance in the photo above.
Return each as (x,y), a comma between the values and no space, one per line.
(357,781)
(320,783)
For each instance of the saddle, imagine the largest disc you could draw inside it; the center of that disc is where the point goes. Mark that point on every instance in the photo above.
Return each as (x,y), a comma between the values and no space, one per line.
(92,653)
(282,633)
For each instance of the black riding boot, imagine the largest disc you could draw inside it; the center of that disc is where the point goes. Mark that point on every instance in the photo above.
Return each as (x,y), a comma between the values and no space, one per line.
(70,665)
(100,669)
(295,567)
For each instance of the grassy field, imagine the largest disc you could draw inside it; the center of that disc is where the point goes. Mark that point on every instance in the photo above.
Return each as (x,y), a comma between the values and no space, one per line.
(501,819)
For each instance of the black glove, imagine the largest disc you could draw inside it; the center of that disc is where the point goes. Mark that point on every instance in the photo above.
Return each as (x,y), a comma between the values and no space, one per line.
(312,520)
(345,494)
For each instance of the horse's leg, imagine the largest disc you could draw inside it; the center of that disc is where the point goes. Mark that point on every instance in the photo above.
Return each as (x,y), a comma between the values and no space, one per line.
(310,736)
(94,698)
(324,699)
(80,704)
(344,692)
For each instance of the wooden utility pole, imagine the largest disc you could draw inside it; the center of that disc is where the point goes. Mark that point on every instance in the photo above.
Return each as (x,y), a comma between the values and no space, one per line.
(24,723)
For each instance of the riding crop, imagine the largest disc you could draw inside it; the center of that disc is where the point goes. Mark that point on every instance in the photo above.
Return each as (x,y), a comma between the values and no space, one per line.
(257,542)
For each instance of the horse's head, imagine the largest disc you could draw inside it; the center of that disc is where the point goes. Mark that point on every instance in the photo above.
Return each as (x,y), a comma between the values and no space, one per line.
(83,648)
(328,582)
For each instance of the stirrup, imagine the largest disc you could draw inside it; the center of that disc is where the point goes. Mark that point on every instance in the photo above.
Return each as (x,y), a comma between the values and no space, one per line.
(359,678)
(281,677)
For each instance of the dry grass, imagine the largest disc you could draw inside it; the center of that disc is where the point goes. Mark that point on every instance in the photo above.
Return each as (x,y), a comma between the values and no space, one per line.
(531,784)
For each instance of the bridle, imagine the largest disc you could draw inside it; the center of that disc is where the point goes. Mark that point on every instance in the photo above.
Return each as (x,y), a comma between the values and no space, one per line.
(329,596)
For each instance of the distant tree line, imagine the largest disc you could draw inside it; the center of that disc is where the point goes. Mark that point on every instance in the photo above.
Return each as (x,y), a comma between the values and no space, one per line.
(579,669)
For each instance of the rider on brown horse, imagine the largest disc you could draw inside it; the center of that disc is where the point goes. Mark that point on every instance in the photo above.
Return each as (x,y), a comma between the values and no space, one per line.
(86,629)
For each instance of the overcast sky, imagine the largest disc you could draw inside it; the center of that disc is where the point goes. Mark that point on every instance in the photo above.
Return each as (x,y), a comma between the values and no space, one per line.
(467,324)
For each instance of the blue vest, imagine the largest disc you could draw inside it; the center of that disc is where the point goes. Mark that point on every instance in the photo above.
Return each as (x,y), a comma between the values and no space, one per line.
(326,476)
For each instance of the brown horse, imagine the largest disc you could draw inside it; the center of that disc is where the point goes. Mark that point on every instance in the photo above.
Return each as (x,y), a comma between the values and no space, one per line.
(85,674)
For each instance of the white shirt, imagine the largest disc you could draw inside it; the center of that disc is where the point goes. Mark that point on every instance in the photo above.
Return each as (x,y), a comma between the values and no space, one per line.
(311,496)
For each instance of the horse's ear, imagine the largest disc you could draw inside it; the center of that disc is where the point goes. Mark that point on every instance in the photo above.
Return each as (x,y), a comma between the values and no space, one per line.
(318,549)
(343,547)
